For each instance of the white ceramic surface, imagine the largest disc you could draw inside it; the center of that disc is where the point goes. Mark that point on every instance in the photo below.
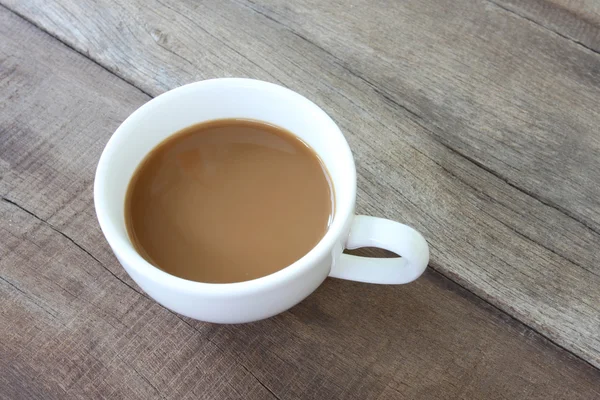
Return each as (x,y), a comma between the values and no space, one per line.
(272,294)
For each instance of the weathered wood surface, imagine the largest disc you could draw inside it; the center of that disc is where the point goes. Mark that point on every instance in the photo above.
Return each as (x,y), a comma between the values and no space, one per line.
(578,20)
(73,325)
(475,125)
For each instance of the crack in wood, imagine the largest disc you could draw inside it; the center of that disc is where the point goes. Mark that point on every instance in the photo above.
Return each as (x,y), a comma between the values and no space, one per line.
(53,315)
(70,240)
(570,39)
(259,381)
(69,46)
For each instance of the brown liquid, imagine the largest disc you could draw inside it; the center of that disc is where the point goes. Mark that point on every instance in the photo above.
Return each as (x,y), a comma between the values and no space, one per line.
(228,201)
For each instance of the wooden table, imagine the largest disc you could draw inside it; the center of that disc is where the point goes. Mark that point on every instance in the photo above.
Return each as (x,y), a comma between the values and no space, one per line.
(477,122)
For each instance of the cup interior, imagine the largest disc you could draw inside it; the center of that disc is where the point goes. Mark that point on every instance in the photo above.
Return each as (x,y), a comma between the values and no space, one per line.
(209,100)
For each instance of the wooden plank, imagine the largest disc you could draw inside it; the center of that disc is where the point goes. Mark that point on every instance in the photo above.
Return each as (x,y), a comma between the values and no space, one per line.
(522,99)
(578,20)
(84,333)
(71,329)
(467,121)
(72,325)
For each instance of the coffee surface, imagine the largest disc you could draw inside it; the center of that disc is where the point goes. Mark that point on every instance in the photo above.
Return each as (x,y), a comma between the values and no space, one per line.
(228,201)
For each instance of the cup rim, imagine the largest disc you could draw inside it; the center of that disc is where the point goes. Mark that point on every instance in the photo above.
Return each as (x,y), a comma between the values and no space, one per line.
(344,207)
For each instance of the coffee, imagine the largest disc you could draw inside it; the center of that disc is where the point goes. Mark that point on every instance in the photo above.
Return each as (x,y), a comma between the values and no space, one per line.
(228,201)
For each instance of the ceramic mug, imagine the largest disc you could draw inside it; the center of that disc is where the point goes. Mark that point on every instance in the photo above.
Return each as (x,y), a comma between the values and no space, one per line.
(263,297)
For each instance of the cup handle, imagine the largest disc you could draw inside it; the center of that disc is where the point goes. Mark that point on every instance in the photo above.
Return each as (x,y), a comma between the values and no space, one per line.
(390,235)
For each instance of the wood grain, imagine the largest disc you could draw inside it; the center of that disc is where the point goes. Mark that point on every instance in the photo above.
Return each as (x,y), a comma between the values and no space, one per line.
(73,325)
(469,122)
(578,20)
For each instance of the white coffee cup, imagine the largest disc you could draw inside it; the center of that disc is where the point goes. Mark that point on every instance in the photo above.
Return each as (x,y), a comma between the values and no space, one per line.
(263,297)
